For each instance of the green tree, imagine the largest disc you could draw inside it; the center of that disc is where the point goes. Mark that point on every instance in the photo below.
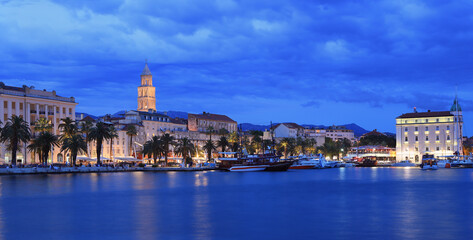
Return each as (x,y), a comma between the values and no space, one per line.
(44,143)
(131,131)
(75,145)
(209,147)
(288,146)
(68,127)
(99,133)
(222,143)
(85,129)
(167,140)
(185,148)
(153,148)
(43,125)
(210,130)
(15,132)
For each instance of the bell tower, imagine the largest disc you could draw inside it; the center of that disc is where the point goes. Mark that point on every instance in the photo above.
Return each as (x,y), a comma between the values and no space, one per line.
(146,92)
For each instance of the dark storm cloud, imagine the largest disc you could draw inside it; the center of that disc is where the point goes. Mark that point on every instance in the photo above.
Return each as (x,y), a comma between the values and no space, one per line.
(243,54)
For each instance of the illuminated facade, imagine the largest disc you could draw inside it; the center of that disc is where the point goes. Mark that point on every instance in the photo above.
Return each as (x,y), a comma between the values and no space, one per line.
(146,92)
(31,105)
(437,133)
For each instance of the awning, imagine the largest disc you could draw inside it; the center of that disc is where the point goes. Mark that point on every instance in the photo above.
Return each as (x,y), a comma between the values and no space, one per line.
(128,159)
(84,158)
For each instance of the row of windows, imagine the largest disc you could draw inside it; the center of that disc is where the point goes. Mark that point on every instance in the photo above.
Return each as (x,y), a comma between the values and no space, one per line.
(437,138)
(428,149)
(426,128)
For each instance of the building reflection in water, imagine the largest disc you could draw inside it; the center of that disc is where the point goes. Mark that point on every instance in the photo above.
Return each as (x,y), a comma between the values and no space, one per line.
(145,213)
(202,224)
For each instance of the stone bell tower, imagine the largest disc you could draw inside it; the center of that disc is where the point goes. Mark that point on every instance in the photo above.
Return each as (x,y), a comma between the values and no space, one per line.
(146,92)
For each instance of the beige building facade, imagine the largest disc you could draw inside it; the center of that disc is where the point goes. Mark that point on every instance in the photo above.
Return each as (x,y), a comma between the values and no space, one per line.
(31,105)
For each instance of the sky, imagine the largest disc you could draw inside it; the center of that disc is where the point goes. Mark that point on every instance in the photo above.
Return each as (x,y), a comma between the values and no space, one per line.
(310,62)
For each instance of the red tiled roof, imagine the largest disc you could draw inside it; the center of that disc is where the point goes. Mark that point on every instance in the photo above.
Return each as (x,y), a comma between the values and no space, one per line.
(213,117)
(426,114)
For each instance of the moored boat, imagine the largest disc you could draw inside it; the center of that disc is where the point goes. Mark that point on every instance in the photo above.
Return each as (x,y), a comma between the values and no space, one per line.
(404,163)
(248,168)
(429,162)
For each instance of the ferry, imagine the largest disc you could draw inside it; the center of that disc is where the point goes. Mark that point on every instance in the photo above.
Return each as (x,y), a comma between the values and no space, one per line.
(309,162)
(239,162)
(248,168)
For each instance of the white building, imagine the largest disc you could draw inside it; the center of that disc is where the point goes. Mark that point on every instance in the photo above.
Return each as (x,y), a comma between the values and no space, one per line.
(338,133)
(437,133)
(31,105)
(288,130)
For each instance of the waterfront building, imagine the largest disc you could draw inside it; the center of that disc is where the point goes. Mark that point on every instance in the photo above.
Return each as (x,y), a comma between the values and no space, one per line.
(338,133)
(201,122)
(438,133)
(31,105)
(288,130)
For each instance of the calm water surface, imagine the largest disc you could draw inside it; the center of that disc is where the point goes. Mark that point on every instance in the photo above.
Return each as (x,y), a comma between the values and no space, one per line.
(352,203)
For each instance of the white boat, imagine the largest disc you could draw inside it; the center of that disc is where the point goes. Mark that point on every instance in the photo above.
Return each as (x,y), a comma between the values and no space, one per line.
(429,162)
(248,168)
(405,163)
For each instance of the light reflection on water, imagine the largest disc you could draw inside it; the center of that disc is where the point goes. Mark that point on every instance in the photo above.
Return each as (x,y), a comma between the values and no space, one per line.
(351,203)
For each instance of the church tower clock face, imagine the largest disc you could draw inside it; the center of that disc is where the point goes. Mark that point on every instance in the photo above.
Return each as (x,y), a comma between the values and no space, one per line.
(146,92)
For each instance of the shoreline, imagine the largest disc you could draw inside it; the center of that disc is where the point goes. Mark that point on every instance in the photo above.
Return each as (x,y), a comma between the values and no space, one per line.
(66,170)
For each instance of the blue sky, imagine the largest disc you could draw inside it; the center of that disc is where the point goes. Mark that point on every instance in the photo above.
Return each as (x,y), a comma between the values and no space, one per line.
(319,62)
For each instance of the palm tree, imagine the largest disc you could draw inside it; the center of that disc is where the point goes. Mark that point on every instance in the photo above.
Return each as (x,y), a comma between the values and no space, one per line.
(113,134)
(100,132)
(130,132)
(85,128)
(286,144)
(74,144)
(43,144)
(68,127)
(166,140)
(42,125)
(15,131)
(185,147)
(154,148)
(210,130)
(222,143)
(209,147)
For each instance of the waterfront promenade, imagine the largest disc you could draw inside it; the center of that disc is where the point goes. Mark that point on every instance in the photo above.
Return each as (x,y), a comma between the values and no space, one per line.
(64,170)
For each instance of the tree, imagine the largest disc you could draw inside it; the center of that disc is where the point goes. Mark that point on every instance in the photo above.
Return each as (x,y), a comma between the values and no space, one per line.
(288,144)
(85,128)
(15,131)
(153,148)
(223,131)
(99,133)
(209,147)
(257,140)
(378,140)
(43,144)
(166,140)
(68,127)
(222,143)
(113,135)
(42,125)
(210,130)
(131,132)
(185,148)
(74,144)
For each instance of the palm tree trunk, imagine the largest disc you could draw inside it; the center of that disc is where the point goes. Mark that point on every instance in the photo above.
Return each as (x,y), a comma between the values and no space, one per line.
(14,148)
(155,157)
(98,150)
(131,146)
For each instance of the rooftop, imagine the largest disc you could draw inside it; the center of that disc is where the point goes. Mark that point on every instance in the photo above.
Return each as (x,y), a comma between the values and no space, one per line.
(426,114)
(213,117)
